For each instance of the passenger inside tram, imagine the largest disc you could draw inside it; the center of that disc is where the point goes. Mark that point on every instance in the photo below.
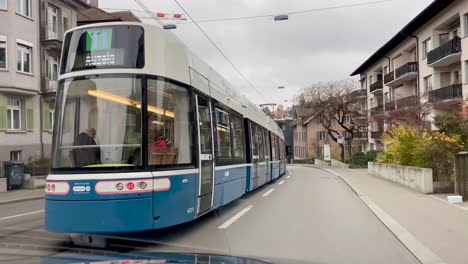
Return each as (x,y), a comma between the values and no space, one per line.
(87,153)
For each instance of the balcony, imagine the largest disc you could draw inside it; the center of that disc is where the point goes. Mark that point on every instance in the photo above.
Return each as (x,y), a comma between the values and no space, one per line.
(52,39)
(49,86)
(377,110)
(389,77)
(408,101)
(360,135)
(361,93)
(446,94)
(376,87)
(446,54)
(404,73)
(389,106)
(377,135)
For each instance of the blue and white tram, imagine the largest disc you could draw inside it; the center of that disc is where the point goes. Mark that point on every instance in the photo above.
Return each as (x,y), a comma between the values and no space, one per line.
(148,136)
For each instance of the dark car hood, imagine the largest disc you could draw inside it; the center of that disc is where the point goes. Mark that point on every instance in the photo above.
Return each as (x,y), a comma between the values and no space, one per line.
(155,258)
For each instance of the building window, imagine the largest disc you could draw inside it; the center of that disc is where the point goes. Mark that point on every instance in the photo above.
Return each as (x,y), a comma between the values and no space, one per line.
(347,120)
(385,70)
(23,7)
(321,135)
(14,114)
(3,4)
(428,85)
(346,134)
(52,72)
(427,46)
(66,24)
(465,25)
(52,25)
(23,58)
(51,116)
(3,55)
(16,155)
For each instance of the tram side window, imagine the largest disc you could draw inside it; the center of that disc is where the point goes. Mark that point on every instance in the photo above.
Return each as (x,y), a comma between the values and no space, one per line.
(238,136)
(273,149)
(267,145)
(223,131)
(277,148)
(261,144)
(169,125)
(253,138)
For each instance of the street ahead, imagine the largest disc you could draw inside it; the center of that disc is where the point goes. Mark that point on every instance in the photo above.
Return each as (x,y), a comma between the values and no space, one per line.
(307,215)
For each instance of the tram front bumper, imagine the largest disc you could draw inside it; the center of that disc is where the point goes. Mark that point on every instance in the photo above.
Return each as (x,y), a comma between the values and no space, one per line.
(99,216)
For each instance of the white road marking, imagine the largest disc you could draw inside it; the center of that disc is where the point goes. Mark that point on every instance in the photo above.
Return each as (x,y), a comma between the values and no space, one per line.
(14,216)
(268,193)
(281,182)
(288,177)
(235,218)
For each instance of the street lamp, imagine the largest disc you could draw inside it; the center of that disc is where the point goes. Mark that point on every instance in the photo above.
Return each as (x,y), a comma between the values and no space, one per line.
(170,26)
(281,17)
(280,87)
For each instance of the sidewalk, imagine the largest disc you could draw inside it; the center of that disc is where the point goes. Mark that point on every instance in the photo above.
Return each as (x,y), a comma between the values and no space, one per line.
(21,195)
(438,225)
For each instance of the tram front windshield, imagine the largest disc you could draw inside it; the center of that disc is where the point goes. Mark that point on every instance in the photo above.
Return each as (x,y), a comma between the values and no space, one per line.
(100,123)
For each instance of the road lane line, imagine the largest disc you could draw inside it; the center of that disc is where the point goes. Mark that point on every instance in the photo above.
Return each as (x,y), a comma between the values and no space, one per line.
(268,193)
(14,216)
(288,177)
(281,182)
(235,218)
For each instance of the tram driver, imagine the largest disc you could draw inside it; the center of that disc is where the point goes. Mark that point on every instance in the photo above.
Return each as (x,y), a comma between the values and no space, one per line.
(85,154)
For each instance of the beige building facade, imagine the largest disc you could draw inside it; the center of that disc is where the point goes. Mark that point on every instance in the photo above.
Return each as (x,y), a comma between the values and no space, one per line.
(425,63)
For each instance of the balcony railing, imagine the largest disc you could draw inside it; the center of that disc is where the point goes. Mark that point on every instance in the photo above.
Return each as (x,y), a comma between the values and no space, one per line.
(390,105)
(360,135)
(446,93)
(377,135)
(450,47)
(389,77)
(408,101)
(405,69)
(359,93)
(376,86)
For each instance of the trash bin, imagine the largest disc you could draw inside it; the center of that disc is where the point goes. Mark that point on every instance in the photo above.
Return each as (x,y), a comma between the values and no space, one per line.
(14,173)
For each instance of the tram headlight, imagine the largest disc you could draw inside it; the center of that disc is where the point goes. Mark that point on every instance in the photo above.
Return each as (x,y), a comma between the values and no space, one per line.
(119,186)
(143,185)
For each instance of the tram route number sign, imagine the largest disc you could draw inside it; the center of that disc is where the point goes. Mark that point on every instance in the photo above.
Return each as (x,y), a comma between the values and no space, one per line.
(99,51)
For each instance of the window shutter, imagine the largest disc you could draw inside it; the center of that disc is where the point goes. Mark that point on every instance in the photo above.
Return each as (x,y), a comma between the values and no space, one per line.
(29,114)
(45,117)
(3,112)
(317,135)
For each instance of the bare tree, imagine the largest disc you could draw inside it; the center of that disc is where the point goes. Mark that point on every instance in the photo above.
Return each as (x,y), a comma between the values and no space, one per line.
(334,103)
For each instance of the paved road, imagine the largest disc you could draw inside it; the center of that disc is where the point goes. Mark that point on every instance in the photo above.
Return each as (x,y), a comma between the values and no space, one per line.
(310,216)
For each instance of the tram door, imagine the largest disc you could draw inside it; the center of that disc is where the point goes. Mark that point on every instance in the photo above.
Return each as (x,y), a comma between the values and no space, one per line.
(255,155)
(205,151)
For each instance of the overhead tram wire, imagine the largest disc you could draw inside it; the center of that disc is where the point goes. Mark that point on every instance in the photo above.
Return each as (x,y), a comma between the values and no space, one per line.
(220,51)
(271,15)
(289,13)
(145,9)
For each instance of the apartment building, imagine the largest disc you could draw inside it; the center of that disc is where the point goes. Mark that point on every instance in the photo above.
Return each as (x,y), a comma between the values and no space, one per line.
(299,130)
(56,17)
(19,79)
(31,34)
(422,65)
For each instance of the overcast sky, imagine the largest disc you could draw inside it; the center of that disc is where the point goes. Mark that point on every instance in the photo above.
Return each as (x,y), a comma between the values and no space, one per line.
(309,47)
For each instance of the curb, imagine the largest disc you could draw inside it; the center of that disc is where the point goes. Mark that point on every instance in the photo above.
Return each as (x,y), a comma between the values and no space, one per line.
(421,252)
(25,199)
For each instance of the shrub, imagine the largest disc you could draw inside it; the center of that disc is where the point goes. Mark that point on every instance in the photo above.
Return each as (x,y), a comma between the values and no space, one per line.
(359,159)
(371,156)
(408,146)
